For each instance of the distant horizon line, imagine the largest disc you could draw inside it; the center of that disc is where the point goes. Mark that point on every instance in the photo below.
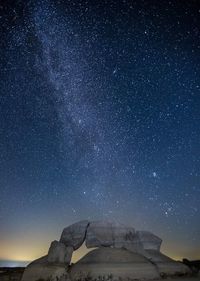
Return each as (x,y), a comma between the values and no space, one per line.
(13,263)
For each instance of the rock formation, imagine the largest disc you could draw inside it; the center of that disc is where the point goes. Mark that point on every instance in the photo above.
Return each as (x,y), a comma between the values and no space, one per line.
(99,234)
(122,253)
(74,235)
(59,253)
(106,261)
(149,240)
(41,269)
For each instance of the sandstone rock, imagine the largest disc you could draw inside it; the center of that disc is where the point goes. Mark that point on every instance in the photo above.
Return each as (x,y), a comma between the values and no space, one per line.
(74,235)
(41,269)
(99,234)
(171,269)
(118,263)
(59,253)
(149,240)
(166,266)
(110,234)
(123,253)
(126,237)
(123,235)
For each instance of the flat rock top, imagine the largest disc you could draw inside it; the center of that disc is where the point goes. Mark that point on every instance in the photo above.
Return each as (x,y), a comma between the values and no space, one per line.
(111,255)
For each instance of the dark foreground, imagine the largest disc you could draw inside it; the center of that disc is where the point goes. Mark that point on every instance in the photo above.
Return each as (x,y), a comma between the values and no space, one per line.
(15,274)
(11,273)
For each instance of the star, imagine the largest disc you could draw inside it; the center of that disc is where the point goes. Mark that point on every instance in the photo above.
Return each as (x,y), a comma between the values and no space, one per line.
(155,175)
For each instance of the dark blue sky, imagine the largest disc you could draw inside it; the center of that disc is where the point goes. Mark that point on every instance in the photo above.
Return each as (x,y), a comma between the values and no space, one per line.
(99,114)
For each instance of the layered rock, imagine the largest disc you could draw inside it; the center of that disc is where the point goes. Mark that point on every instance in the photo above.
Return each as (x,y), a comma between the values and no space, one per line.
(122,252)
(167,266)
(123,234)
(110,234)
(99,234)
(121,264)
(126,237)
(74,235)
(41,269)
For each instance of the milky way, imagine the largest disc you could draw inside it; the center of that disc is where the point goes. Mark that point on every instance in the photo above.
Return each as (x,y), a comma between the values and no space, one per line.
(100,118)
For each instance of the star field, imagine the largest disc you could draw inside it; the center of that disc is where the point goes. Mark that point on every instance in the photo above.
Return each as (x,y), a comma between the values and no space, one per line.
(99,119)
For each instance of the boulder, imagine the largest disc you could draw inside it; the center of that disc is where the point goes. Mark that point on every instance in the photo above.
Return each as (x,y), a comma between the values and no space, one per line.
(105,262)
(99,234)
(149,240)
(59,253)
(74,235)
(41,269)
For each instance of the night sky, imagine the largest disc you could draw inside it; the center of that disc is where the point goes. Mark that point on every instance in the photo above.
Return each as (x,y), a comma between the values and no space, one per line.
(99,119)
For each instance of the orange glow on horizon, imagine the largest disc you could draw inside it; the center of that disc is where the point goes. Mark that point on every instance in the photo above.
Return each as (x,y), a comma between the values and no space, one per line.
(31,250)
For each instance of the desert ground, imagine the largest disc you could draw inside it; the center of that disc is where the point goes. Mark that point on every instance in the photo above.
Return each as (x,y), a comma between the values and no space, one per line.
(15,274)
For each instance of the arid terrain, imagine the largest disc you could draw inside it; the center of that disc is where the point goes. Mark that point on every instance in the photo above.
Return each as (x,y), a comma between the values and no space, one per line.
(15,274)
